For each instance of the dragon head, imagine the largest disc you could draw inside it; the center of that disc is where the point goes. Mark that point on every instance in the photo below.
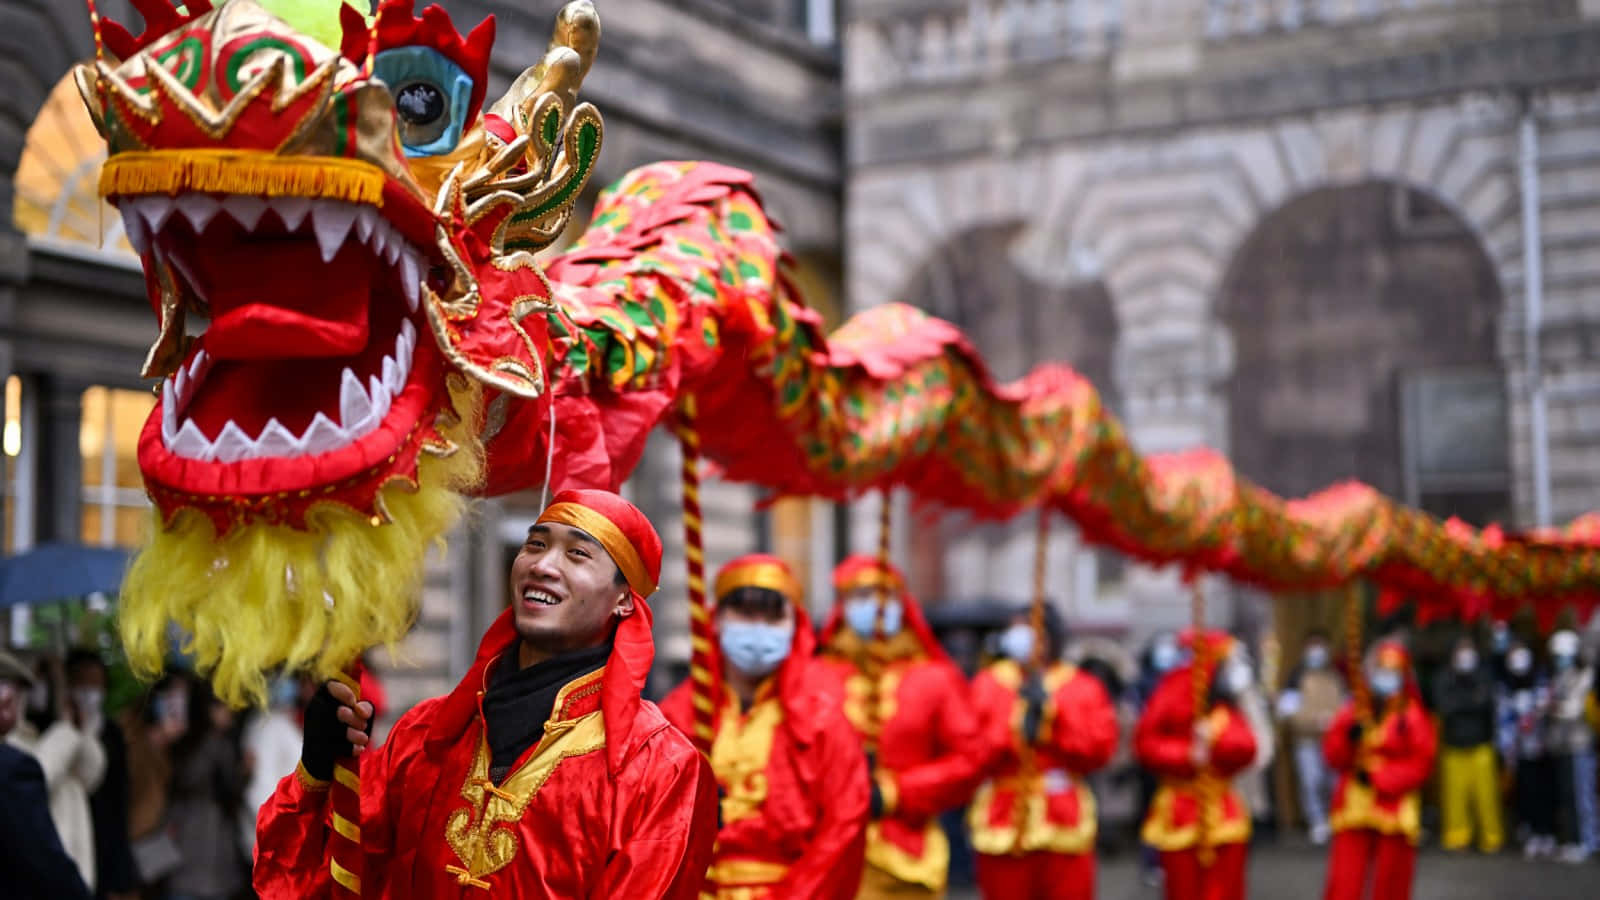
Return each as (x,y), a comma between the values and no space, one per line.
(357,234)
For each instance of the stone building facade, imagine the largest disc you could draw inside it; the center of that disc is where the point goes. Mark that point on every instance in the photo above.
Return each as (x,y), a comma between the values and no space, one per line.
(1305,216)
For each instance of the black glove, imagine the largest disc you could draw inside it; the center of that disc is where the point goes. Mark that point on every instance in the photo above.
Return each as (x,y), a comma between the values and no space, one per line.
(325,740)
(1353,733)
(1033,716)
(876,806)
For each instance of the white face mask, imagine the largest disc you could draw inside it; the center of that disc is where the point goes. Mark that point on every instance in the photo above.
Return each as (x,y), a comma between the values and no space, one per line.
(89,701)
(862,617)
(1016,643)
(1164,657)
(1520,661)
(1466,660)
(1236,678)
(1316,656)
(1386,683)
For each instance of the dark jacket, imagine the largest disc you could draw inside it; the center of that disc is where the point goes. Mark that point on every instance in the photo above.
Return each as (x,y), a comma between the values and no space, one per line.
(115,872)
(1466,707)
(35,865)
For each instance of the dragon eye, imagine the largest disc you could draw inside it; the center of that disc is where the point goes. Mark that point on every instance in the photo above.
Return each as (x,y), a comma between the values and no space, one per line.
(431,96)
(423,113)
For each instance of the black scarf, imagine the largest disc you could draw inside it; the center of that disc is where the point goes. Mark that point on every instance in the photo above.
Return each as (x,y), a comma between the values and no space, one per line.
(519,701)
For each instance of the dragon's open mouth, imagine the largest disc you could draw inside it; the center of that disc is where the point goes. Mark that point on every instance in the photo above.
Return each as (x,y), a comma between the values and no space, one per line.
(312,348)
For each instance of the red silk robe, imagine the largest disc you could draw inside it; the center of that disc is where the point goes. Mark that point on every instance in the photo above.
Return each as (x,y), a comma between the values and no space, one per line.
(1163,741)
(928,750)
(1035,799)
(795,789)
(612,802)
(1377,826)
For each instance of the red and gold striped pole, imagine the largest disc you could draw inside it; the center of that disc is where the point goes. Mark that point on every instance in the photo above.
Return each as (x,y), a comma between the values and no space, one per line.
(347,862)
(1036,660)
(703,691)
(1205,785)
(877,649)
(1360,692)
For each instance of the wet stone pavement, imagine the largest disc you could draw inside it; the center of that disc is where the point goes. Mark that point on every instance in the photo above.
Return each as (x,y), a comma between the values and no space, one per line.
(1295,872)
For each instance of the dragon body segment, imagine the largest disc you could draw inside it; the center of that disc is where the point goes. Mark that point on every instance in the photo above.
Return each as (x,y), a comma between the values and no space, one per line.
(360,233)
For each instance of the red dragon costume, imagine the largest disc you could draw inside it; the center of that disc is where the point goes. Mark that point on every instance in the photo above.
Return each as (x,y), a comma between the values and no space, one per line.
(611,801)
(1377,803)
(1197,820)
(357,221)
(922,731)
(1033,821)
(793,778)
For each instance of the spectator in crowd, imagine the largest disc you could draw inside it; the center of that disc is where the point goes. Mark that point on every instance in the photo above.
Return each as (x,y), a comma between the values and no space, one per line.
(73,761)
(207,787)
(152,727)
(1469,786)
(35,865)
(272,743)
(1314,691)
(1571,743)
(115,874)
(1521,702)
(1252,781)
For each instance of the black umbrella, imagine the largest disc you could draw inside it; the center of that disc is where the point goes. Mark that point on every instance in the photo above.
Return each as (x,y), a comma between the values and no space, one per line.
(58,571)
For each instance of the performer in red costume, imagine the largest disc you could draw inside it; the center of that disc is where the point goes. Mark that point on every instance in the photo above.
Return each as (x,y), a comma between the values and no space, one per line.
(793,778)
(1382,765)
(1033,822)
(911,707)
(543,774)
(1197,820)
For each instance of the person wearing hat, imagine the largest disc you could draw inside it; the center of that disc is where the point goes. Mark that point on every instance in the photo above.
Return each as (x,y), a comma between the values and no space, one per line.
(31,856)
(793,778)
(910,706)
(1198,820)
(1382,765)
(1033,820)
(1571,744)
(543,774)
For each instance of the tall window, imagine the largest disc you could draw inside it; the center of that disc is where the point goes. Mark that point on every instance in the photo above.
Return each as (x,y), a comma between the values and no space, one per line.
(1457,458)
(114,502)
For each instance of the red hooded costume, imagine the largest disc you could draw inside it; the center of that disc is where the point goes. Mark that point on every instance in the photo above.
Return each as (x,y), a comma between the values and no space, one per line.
(1196,812)
(611,801)
(1377,804)
(923,731)
(1033,822)
(793,777)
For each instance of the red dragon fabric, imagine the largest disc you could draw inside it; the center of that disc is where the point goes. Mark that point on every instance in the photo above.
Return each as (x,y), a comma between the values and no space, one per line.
(358,223)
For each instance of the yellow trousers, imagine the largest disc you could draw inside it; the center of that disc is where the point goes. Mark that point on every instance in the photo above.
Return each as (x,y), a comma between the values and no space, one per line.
(1469,795)
(877,884)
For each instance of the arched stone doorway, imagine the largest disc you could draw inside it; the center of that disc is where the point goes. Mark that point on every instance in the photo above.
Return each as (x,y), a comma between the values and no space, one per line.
(1016,322)
(1364,323)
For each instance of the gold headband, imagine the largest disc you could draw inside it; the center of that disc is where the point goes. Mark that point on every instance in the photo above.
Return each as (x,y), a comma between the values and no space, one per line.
(767,575)
(610,537)
(871,578)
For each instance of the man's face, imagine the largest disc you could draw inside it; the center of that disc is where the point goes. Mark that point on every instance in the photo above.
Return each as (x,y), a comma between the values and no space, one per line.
(11,694)
(565,589)
(783,617)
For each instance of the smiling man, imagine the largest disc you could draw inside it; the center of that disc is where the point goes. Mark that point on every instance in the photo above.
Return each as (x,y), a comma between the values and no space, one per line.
(543,774)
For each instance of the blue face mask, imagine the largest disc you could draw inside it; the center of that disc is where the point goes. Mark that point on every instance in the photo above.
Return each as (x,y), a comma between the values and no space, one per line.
(285,692)
(862,616)
(755,648)
(1164,657)
(1016,643)
(1386,683)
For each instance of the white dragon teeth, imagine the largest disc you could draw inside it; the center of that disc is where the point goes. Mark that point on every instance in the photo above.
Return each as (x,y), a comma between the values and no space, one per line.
(134,227)
(363,405)
(191,443)
(410,276)
(331,222)
(153,208)
(245,210)
(292,210)
(198,209)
